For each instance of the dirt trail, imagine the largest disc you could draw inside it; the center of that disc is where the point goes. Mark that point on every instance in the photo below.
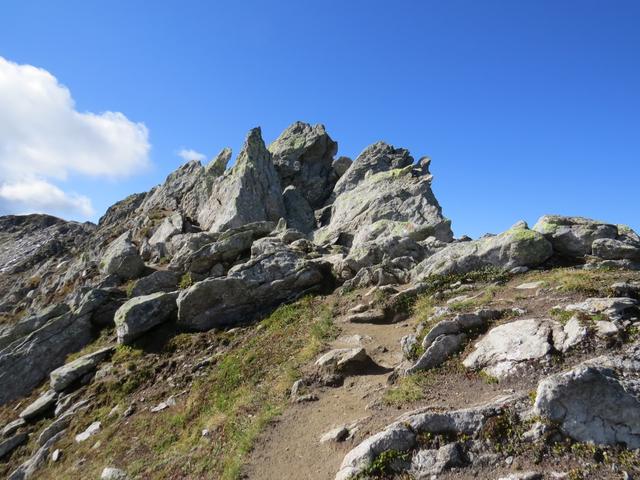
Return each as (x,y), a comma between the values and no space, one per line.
(290,447)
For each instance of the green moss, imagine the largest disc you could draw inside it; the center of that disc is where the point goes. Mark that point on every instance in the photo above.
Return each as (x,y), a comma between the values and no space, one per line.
(186,281)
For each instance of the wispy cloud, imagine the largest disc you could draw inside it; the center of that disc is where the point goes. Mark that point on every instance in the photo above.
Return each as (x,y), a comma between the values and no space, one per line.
(44,139)
(188,154)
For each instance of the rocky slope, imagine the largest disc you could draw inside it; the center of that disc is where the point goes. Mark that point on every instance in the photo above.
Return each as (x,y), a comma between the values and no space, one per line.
(300,315)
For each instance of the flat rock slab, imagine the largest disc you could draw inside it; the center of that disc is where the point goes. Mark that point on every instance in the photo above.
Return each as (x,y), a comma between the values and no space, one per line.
(89,432)
(597,401)
(615,308)
(10,444)
(530,285)
(500,351)
(344,358)
(63,377)
(42,405)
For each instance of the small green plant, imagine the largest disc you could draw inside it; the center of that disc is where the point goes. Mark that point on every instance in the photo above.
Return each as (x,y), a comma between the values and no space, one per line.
(488,379)
(383,465)
(186,281)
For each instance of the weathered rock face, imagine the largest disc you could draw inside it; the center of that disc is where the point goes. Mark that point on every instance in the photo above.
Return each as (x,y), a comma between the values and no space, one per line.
(399,200)
(27,361)
(577,237)
(121,258)
(140,314)
(64,376)
(517,247)
(299,214)
(32,247)
(275,272)
(303,156)
(202,254)
(597,401)
(248,192)
(504,348)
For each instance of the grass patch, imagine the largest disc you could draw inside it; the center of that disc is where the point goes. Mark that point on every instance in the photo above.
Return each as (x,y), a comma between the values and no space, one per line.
(240,393)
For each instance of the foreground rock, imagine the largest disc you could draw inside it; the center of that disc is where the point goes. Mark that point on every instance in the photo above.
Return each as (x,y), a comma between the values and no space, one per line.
(597,401)
(506,348)
(140,314)
(65,376)
(517,247)
(402,436)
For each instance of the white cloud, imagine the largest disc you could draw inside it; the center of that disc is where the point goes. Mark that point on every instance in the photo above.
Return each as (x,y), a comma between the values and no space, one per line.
(41,196)
(43,138)
(187,155)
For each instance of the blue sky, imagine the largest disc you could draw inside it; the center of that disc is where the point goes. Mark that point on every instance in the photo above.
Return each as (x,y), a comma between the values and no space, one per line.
(525,107)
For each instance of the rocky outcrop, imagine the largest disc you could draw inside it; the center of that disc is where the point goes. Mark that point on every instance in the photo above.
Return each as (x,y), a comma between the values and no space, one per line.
(141,314)
(121,258)
(248,192)
(597,401)
(517,247)
(395,195)
(577,237)
(504,348)
(402,436)
(276,272)
(65,376)
(303,157)
(27,361)
(215,254)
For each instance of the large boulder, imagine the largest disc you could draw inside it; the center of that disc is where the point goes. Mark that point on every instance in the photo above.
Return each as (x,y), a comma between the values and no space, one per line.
(275,273)
(303,156)
(507,347)
(141,314)
(226,249)
(597,401)
(28,361)
(170,226)
(121,258)
(248,192)
(398,200)
(577,237)
(64,376)
(517,247)
(158,281)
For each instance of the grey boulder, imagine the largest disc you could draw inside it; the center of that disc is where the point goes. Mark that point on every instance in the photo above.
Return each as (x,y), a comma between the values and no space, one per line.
(597,401)
(121,258)
(63,377)
(40,406)
(275,273)
(517,247)
(573,236)
(158,281)
(141,314)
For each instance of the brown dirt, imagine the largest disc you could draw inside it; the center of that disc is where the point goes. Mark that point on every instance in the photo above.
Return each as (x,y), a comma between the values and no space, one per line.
(290,448)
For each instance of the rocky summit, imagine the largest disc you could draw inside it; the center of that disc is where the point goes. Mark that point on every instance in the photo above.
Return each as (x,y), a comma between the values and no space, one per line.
(303,315)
